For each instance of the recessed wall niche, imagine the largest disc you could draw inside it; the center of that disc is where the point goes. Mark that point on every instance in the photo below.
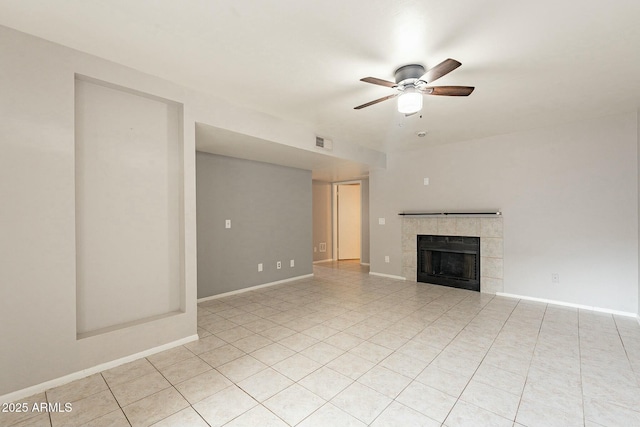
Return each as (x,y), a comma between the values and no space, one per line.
(129,190)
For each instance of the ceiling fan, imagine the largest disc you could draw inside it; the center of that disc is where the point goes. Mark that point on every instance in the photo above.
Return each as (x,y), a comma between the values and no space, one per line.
(411,83)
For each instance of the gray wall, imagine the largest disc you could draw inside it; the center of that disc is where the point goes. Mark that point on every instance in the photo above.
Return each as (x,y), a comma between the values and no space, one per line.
(569,195)
(270,211)
(322,231)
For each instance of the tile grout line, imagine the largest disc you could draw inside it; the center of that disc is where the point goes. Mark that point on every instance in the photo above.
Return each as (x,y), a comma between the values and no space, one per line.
(364,340)
(174,387)
(114,398)
(584,414)
(46,396)
(485,355)
(626,352)
(526,377)
(379,314)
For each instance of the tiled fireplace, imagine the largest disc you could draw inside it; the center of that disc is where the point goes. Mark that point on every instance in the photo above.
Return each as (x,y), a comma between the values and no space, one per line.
(488,229)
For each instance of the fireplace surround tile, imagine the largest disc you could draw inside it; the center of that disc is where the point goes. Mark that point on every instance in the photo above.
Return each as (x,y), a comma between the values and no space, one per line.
(490,231)
(491,285)
(426,225)
(491,267)
(408,244)
(410,262)
(491,247)
(447,226)
(468,227)
(491,227)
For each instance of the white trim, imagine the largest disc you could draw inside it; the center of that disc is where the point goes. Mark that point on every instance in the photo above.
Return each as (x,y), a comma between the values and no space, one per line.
(324,260)
(39,388)
(390,276)
(334,221)
(251,288)
(352,181)
(365,264)
(569,304)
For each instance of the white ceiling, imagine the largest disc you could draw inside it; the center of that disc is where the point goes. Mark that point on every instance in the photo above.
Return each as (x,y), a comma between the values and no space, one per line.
(533,63)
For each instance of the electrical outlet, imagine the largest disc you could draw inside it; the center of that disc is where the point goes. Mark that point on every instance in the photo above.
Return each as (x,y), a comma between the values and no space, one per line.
(426,181)
(292,263)
(381,221)
(259,267)
(386,258)
(555,278)
(323,247)
(278,265)
(227,223)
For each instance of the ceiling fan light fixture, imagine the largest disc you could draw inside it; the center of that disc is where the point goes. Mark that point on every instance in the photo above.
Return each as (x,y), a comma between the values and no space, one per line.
(410,101)
(411,83)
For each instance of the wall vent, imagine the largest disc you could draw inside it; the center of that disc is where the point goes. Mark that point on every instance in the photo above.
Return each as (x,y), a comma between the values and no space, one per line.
(325,144)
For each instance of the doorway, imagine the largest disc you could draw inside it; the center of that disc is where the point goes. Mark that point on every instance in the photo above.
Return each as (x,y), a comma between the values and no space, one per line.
(348,223)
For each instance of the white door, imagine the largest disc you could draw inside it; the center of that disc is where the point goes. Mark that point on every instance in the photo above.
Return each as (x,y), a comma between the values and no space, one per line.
(349,221)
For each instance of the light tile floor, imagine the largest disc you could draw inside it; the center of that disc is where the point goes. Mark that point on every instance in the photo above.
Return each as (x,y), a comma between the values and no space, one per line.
(348,349)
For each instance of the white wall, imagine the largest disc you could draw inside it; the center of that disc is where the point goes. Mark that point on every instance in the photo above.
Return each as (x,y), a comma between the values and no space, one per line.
(37,218)
(322,231)
(128,156)
(38,244)
(364,197)
(322,222)
(569,195)
(349,221)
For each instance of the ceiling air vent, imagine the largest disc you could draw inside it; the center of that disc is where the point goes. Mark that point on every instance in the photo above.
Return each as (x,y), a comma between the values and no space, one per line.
(325,144)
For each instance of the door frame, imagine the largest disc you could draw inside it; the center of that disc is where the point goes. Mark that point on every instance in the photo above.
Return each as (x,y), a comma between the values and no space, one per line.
(334,215)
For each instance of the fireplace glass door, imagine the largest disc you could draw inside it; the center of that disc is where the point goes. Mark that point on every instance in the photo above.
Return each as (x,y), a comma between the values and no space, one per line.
(449,261)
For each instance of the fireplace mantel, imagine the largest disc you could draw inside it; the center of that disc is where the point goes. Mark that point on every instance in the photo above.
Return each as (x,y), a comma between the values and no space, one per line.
(490,213)
(489,229)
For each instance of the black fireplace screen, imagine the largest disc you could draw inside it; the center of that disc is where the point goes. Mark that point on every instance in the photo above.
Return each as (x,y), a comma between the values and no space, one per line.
(449,261)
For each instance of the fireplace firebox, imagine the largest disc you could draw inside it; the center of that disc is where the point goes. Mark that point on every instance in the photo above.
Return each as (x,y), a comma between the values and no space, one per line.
(450,261)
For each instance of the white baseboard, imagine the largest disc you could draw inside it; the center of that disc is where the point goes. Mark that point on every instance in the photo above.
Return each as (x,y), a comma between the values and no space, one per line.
(390,276)
(324,260)
(253,288)
(365,264)
(39,388)
(568,304)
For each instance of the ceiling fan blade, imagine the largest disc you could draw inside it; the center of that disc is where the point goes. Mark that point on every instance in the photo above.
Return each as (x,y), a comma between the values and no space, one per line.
(376,81)
(443,68)
(375,102)
(448,90)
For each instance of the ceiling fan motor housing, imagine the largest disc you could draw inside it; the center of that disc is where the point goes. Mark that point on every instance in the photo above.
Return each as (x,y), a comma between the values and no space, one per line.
(409,74)
(411,81)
